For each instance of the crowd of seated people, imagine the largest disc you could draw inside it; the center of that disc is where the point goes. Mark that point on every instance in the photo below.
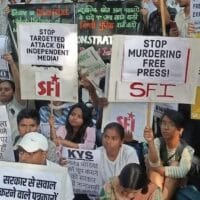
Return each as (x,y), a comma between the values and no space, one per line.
(158,172)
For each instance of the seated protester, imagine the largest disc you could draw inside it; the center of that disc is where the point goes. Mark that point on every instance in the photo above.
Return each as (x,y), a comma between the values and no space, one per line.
(60,109)
(10,95)
(33,149)
(132,183)
(77,132)
(167,168)
(29,121)
(114,154)
(153,25)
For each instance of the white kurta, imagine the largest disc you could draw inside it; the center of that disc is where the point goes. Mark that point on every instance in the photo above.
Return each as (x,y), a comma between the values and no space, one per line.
(110,168)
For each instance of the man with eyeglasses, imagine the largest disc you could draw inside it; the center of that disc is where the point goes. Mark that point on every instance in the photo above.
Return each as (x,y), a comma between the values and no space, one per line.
(167,166)
(33,149)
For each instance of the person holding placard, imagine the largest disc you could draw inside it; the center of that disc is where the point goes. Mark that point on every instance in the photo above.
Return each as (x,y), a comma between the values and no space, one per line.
(33,149)
(114,154)
(77,132)
(167,168)
(10,94)
(59,110)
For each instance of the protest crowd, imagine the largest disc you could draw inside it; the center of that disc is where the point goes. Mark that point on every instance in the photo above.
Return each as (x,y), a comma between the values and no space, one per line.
(100,99)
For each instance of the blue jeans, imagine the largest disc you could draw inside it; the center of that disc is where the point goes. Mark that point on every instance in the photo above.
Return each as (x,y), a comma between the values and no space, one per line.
(188,193)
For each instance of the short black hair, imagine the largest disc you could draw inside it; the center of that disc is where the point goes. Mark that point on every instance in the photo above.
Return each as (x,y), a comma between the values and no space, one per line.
(118,127)
(176,117)
(12,83)
(28,114)
(87,122)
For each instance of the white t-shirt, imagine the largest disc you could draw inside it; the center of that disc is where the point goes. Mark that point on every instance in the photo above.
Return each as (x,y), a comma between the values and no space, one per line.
(110,168)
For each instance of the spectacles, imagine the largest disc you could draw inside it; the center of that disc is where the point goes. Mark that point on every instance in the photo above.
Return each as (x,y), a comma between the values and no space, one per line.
(167,125)
(22,152)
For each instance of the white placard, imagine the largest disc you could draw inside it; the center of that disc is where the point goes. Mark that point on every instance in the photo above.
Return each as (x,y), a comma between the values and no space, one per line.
(6,146)
(132,116)
(179,88)
(47,44)
(155,60)
(83,168)
(195,14)
(36,181)
(50,50)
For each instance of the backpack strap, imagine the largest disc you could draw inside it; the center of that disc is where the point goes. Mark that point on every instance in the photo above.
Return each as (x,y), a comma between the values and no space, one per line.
(163,151)
(180,149)
(164,155)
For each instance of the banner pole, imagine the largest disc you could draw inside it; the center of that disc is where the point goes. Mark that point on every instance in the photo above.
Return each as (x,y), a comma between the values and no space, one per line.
(163,20)
(149,107)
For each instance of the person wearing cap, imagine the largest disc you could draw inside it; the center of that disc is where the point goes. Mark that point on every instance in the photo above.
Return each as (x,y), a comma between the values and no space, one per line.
(28,120)
(33,149)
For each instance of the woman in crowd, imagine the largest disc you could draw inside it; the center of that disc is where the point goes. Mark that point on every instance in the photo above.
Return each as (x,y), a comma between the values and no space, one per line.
(132,183)
(167,167)
(60,109)
(78,131)
(114,154)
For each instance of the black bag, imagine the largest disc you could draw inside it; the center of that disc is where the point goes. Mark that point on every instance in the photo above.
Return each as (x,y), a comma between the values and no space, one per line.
(195,167)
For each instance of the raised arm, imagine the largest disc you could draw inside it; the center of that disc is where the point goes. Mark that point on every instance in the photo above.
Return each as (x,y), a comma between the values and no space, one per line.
(91,89)
(15,74)
(52,127)
(152,152)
